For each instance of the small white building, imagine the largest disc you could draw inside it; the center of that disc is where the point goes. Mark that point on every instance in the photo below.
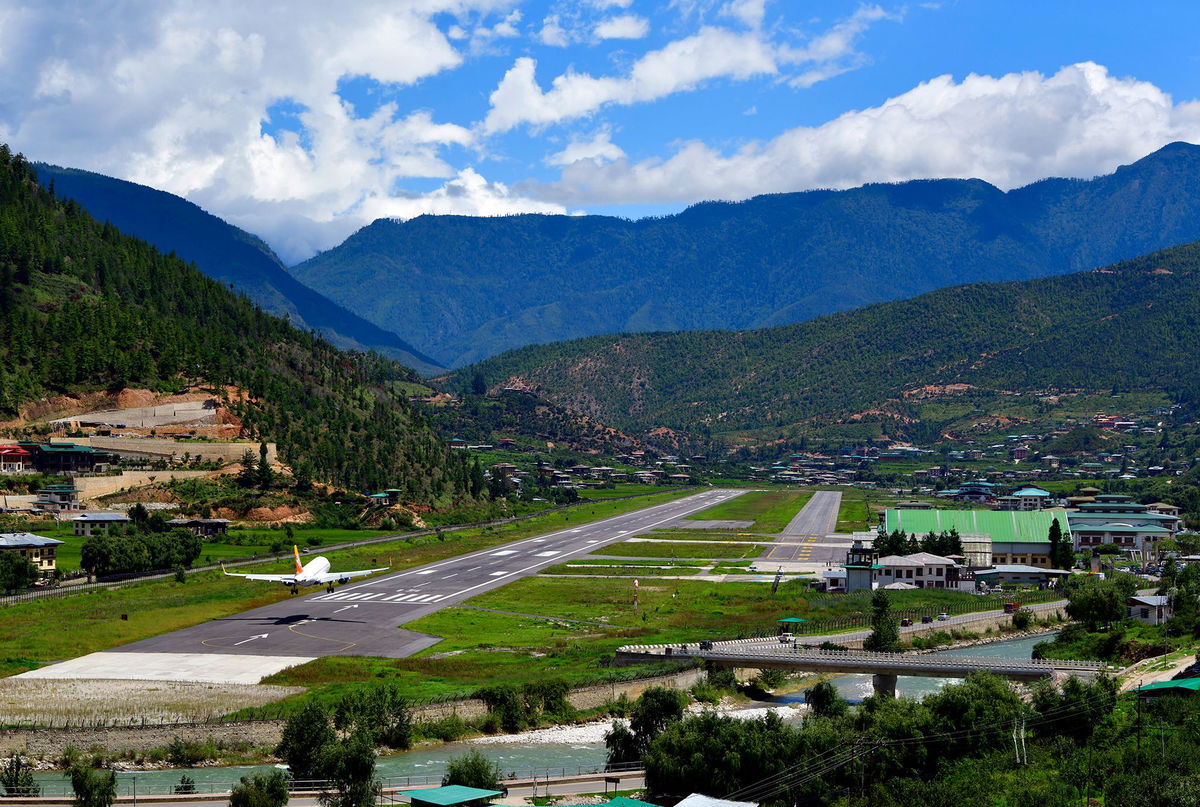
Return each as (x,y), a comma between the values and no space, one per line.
(89,524)
(1153,609)
(921,569)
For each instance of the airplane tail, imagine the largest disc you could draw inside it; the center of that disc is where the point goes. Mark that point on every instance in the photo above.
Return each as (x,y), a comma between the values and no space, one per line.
(296,554)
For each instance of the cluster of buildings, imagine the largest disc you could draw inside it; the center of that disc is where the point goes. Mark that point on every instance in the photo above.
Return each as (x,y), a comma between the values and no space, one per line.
(27,457)
(1006,546)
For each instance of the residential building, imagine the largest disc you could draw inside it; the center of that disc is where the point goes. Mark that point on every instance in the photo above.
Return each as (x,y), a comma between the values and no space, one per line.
(204,527)
(1153,609)
(60,498)
(90,524)
(16,460)
(37,549)
(67,458)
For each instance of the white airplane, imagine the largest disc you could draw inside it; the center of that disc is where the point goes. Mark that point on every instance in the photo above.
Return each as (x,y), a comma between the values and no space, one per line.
(314,573)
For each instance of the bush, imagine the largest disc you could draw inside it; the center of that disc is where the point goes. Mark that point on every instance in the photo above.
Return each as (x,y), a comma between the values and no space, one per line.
(448,729)
(260,790)
(186,785)
(17,778)
(92,788)
(1021,620)
(472,769)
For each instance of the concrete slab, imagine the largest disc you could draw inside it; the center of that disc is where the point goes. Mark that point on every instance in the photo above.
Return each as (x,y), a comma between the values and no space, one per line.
(212,668)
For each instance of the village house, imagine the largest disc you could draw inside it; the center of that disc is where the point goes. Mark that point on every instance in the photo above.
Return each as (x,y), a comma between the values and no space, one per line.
(203,527)
(37,549)
(89,524)
(59,498)
(16,460)
(1153,609)
(920,570)
(1118,520)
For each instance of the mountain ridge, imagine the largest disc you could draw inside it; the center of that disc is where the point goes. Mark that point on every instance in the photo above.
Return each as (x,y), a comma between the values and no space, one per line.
(463,288)
(225,253)
(1124,326)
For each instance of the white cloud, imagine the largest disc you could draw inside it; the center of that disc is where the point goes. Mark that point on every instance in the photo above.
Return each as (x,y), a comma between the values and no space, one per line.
(599,148)
(174,95)
(553,33)
(750,12)
(625,26)
(682,65)
(1008,130)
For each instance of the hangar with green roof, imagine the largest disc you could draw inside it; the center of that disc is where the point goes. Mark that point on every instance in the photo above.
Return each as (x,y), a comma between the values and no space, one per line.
(988,536)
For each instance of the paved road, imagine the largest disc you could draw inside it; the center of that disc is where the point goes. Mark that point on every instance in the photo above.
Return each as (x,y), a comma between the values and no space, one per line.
(361,619)
(815,520)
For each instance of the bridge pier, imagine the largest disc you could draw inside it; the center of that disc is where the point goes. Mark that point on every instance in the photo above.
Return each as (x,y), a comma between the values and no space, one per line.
(885,684)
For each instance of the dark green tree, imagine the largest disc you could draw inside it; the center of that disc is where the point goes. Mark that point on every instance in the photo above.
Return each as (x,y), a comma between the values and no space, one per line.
(1062,554)
(302,744)
(885,632)
(92,787)
(349,767)
(824,700)
(16,572)
(17,778)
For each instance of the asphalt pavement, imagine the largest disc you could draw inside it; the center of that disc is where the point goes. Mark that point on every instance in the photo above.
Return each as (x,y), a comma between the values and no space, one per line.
(804,539)
(362,619)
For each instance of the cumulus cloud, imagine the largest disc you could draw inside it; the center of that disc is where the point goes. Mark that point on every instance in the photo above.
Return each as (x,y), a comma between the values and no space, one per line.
(1008,130)
(176,95)
(624,26)
(598,148)
(681,65)
(713,52)
(749,12)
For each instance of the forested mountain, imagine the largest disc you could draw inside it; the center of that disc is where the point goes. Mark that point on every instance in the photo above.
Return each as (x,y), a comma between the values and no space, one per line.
(1131,326)
(83,306)
(462,289)
(225,253)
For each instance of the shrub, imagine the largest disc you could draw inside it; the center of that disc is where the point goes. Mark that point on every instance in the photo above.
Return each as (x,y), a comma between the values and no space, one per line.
(1021,620)
(472,769)
(260,790)
(186,785)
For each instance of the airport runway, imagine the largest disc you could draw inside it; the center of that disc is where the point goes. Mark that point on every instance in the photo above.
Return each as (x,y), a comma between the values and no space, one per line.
(806,533)
(362,619)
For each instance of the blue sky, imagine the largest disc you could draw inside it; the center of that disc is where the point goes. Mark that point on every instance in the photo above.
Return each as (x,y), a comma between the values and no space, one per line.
(302,124)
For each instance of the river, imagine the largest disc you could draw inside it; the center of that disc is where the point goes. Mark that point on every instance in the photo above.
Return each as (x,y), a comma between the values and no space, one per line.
(427,763)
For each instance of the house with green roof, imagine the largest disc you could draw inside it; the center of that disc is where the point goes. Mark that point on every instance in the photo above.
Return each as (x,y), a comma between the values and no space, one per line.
(1118,520)
(988,536)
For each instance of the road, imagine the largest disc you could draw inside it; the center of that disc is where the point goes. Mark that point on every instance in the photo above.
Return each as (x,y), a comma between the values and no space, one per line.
(805,534)
(362,619)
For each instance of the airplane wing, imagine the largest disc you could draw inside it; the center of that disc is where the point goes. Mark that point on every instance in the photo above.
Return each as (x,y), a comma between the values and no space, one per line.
(271,578)
(332,577)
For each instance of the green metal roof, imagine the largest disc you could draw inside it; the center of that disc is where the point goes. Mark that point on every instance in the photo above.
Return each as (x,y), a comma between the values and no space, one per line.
(625,801)
(449,794)
(1183,685)
(1002,526)
(1092,515)
(1120,528)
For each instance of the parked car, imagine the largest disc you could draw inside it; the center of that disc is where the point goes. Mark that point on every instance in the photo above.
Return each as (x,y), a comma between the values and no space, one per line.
(906,622)
(706,644)
(925,620)
(943,617)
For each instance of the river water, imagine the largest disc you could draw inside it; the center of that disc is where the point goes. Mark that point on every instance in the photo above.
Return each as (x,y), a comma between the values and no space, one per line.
(522,758)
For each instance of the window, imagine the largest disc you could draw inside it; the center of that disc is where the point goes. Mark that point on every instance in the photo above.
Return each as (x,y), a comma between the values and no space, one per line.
(1145,613)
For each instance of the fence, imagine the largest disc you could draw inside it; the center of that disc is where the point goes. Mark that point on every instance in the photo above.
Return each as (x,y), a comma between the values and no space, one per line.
(129,786)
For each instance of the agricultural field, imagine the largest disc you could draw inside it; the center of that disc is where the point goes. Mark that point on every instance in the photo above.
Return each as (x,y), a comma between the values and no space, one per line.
(770,510)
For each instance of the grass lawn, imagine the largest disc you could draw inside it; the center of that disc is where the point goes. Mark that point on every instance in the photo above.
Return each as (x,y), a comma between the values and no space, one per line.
(618,491)
(84,623)
(701,535)
(770,510)
(624,571)
(708,549)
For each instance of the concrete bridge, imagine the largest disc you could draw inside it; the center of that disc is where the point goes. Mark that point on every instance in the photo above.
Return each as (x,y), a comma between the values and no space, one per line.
(885,667)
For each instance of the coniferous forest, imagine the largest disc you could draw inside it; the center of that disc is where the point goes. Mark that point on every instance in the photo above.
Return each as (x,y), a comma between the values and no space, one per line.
(85,307)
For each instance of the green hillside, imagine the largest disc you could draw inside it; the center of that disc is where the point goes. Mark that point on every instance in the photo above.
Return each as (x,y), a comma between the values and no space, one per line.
(1129,327)
(224,253)
(462,289)
(84,307)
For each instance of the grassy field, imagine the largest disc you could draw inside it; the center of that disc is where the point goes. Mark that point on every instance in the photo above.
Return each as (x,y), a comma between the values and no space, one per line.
(575,624)
(708,549)
(619,490)
(701,535)
(770,510)
(75,625)
(624,571)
